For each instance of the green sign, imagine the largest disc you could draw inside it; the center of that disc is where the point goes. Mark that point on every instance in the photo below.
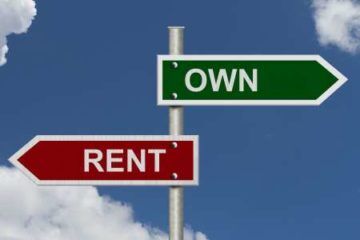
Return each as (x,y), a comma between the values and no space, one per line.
(245,79)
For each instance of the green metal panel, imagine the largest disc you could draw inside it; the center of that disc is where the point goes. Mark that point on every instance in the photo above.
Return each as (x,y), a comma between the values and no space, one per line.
(276,80)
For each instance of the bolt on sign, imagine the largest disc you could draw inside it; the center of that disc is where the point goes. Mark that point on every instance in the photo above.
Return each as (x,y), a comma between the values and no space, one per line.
(245,80)
(110,160)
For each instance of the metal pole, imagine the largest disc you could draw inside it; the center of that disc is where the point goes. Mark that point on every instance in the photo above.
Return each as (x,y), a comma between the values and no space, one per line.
(176,127)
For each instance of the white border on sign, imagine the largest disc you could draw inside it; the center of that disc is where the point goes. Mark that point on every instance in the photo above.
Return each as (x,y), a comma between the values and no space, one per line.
(162,102)
(194,138)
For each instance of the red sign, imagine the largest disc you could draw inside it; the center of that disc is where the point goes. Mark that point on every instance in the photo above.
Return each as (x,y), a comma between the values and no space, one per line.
(110,160)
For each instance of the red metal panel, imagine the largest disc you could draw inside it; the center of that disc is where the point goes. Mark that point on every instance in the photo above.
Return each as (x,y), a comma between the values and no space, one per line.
(61,160)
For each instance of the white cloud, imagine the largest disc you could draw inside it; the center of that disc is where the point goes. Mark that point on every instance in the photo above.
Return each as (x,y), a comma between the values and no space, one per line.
(28,212)
(15,17)
(338,23)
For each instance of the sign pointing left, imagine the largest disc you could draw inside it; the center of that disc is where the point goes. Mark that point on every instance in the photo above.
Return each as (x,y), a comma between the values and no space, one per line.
(110,160)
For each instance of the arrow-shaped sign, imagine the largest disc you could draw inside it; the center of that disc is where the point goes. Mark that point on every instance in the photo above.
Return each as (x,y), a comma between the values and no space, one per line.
(245,80)
(110,160)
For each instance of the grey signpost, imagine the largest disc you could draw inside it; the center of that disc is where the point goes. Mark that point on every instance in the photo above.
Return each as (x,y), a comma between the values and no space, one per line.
(283,80)
(176,127)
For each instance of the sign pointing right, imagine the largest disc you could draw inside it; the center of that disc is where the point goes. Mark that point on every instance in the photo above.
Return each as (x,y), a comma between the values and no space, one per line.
(246,80)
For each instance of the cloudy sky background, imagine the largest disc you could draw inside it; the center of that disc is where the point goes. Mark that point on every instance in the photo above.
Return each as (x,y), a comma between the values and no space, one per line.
(72,74)
(67,213)
(338,23)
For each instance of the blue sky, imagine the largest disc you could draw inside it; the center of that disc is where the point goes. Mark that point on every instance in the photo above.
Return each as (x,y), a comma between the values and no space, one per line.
(266,172)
